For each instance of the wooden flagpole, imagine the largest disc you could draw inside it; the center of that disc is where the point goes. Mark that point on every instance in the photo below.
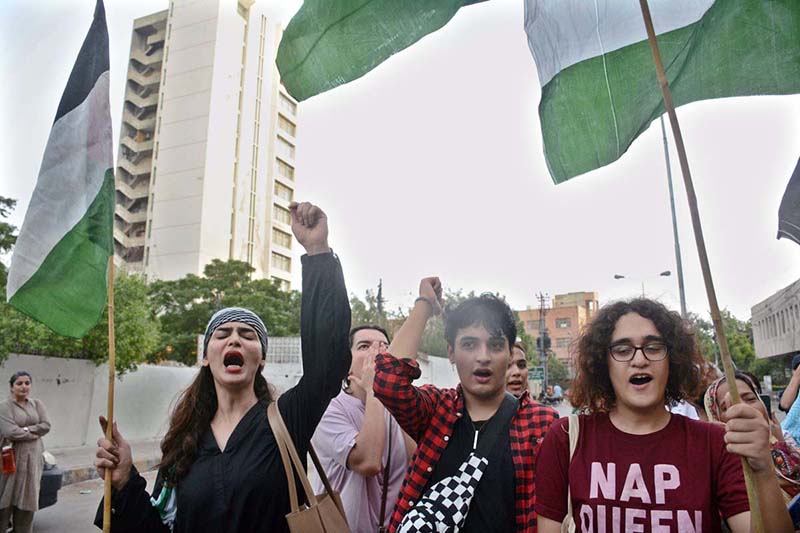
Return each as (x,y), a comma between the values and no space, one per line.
(110,408)
(725,355)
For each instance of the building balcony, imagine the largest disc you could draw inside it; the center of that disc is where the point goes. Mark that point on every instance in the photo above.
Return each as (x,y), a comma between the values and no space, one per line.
(140,123)
(156,38)
(154,58)
(128,241)
(135,169)
(133,193)
(142,102)
(138,147)
(131,217)
(149,78)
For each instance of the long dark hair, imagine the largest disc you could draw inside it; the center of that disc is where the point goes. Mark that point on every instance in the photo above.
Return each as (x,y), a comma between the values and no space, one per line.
(592,391)
(193,413)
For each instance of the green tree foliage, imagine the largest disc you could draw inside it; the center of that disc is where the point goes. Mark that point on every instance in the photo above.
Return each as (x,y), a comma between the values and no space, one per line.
(185,305)
(557,371)
(136,330)
(7,237)
(740,343)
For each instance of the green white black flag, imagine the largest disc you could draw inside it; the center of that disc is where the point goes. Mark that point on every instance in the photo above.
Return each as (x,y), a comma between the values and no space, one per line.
(59,269)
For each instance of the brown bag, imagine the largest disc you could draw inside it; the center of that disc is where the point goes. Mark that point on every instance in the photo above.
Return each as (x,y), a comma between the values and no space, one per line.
(325,512)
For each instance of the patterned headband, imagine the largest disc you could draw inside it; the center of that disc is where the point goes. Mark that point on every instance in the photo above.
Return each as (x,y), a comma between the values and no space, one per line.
(237,314)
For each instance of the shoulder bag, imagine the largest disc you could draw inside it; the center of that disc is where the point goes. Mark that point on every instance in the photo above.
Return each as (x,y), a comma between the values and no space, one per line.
(324,513)
(568,525)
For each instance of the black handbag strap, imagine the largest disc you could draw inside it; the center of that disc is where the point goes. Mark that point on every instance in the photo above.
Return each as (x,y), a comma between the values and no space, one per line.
(386,473)
(497,425)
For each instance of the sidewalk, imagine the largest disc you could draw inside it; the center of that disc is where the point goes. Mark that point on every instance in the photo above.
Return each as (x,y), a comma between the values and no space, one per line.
(78,463)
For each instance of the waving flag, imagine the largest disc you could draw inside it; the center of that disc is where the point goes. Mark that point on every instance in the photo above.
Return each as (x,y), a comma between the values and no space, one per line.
(332,42)
(59,269)
(789,211)
(599,90)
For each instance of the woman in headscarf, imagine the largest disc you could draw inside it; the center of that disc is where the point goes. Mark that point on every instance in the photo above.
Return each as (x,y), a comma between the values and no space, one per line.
(785,456)
(221,469)
(23,423)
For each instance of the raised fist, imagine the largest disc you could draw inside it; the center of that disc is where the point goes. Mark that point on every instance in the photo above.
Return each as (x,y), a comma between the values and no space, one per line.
(310,227)
(431,290)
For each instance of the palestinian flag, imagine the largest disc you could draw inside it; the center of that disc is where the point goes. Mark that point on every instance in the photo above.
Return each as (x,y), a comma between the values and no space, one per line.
(59,269)
(332,42)
(599,85)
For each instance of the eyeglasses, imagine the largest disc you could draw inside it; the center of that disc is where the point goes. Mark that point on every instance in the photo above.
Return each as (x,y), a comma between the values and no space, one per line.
(654,351)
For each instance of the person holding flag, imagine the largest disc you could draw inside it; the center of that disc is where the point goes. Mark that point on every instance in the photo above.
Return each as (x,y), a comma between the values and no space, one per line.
(634,465)
(221,469)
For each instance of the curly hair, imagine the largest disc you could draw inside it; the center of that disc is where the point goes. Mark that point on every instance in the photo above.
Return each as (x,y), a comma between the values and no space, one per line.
(592,390)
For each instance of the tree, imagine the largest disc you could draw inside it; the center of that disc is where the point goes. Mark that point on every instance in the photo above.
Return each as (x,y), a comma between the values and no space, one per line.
(740,343)
(557,371)
(7,237)
(185,305)
(135,324)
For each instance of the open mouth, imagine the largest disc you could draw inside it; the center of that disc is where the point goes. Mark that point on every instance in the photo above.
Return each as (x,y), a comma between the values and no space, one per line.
(640,379)
(233,359)
(482,375)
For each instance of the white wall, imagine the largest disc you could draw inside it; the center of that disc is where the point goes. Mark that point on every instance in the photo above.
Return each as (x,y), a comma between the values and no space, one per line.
(75,391)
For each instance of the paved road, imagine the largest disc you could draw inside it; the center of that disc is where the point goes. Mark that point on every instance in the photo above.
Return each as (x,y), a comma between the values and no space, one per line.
(74,512)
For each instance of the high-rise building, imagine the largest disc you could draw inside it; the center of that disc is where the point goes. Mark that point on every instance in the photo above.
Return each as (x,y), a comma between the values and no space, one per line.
(206,165)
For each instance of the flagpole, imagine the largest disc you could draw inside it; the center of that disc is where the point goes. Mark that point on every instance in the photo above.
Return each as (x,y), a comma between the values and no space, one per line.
(725,355)
(110,406)
(678,260)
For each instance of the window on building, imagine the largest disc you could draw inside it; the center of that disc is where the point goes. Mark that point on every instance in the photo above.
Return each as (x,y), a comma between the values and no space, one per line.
(281,262)
(532,325)
(281,238)
(281,214)
(285,149)
(563,342)
(287,105)
(281,283)
(563,323)
(282,191)
(284,170)
(287,126)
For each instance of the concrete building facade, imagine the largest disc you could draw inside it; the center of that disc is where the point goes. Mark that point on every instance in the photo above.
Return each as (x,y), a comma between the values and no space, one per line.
(776,323)
(563,320)
(206,166)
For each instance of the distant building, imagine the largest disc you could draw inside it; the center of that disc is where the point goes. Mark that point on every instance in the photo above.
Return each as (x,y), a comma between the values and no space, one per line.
(206,165)
(776,323)
(563,321)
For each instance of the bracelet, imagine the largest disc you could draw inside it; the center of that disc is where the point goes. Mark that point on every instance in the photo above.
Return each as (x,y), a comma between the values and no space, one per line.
(427,301)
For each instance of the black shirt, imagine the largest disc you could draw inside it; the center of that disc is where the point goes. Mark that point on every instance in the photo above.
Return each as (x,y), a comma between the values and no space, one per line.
(244,488)
(492,506)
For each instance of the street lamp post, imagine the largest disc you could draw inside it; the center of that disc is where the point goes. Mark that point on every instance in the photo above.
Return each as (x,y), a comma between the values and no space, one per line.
(620,276)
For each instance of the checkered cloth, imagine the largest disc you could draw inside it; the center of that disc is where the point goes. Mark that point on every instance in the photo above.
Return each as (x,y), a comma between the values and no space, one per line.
(428,415)
(445,505)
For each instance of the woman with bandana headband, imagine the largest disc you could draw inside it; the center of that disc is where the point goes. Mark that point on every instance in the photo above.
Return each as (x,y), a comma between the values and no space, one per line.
(785,456)
(221,469)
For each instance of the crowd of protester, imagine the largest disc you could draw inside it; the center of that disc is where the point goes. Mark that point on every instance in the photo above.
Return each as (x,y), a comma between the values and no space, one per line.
(645,451)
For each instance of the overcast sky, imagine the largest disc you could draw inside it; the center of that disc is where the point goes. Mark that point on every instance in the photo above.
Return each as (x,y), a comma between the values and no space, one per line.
(432,164)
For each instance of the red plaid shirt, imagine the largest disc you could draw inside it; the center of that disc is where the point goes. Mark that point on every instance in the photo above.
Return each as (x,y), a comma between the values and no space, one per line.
(428,415)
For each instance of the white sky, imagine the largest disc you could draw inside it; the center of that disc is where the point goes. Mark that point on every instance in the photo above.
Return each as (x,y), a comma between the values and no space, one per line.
(433,164)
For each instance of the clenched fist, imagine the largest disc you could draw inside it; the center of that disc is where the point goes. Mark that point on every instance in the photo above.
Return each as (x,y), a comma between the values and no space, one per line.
(310,227)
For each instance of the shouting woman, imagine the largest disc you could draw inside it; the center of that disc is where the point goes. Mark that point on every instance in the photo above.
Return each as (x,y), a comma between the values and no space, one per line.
(221,469)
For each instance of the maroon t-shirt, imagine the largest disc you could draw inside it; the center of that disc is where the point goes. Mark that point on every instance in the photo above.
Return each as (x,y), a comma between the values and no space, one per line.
(680,478)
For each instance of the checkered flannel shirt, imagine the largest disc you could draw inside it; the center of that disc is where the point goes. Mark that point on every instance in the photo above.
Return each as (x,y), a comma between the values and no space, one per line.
(428,415)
